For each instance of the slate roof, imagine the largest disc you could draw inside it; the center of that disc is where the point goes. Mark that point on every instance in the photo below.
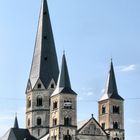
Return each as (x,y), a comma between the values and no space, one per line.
(63,84)
(44,63)
(16,123)
(111,91)
(17,134)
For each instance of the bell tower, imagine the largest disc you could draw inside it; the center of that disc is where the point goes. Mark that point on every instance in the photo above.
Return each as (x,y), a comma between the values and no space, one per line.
(63,112)
(43,77)
(111,109)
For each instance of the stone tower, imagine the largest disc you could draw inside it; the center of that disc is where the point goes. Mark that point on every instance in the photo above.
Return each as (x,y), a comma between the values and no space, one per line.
(111,110)
(63,112)
(43,77)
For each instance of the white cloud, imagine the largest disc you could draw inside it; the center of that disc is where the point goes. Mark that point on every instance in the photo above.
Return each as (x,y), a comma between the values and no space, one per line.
(128,68)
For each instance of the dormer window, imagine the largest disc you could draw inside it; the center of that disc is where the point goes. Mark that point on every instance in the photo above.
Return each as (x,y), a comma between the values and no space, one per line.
(52,85)
(39,86)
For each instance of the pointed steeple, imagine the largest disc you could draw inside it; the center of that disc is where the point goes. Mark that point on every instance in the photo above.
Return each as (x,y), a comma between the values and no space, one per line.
(64,76)
(44,63)
(63,84)
(111,90)
(16,123)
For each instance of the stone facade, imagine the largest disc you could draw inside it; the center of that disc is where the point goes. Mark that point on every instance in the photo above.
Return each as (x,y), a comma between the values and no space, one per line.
(65,115)
(111,117)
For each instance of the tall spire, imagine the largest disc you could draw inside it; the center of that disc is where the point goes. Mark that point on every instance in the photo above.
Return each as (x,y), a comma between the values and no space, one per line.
(16,123)
(44,63)
(111,90)
(63,84)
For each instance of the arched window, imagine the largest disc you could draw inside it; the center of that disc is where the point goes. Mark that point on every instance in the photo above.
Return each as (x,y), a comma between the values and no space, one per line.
(115,125)
(54,122)
(53,137)
(103,125)
(67,121)
(39,101)
(29,103)
(116,138)
(116,109)
(28,122)
(103,109)
(52,85)
(55,105)
(39,121)
(67,137)
(39,86)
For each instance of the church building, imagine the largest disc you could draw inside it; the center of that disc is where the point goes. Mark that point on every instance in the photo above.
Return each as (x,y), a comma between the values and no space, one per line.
(51,103)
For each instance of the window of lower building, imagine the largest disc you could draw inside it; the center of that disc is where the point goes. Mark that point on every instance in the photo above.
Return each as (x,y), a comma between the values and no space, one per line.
(103,125)
(54,138)
(67,137)
(38,132)
(39,121)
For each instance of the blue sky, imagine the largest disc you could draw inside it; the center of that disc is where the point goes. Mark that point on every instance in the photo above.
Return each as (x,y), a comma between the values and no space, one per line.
(91,32)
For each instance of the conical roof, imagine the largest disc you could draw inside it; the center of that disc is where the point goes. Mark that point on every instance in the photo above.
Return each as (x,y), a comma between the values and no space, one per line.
(44,63)
(111,90)
(63,84)
(16,123)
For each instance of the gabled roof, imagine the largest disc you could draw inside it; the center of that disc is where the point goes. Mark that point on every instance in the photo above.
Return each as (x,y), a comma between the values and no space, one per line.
(111,91)
(63,84)
(44,63)
(93,126)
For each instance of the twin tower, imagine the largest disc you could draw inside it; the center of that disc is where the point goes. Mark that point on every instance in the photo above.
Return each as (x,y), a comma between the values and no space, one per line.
(51,104)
